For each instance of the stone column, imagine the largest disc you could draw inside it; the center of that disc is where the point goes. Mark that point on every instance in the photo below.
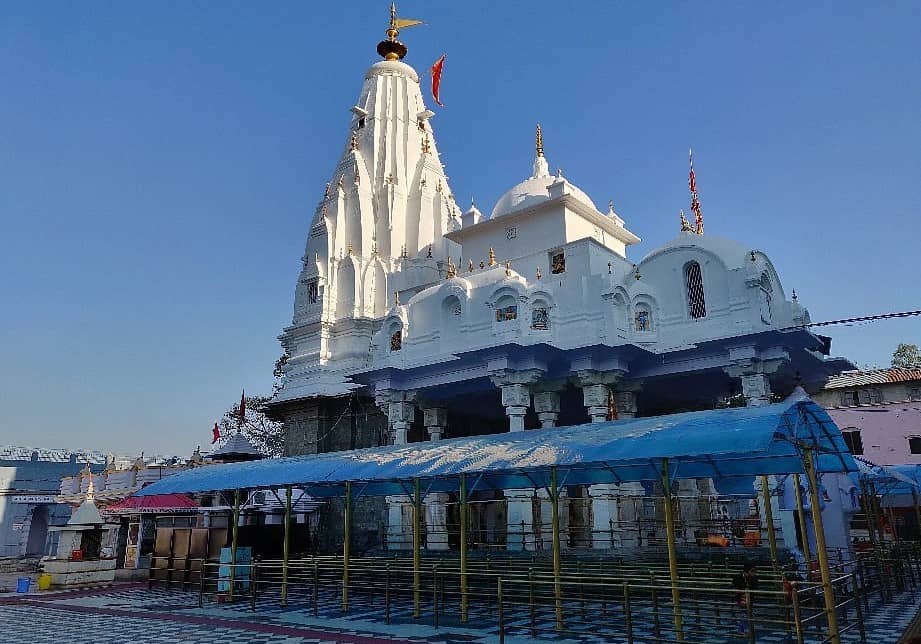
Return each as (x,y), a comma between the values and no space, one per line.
(547,406)
(753,370)
(596,391)
(625,399)
(401,413)
(520,520)
(436,513)
(516,399)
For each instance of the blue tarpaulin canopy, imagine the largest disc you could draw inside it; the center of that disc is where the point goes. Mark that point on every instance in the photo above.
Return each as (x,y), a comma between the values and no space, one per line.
(724,444)
(886,479)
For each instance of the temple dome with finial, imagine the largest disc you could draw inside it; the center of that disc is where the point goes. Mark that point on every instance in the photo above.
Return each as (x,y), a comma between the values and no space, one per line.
(536,189)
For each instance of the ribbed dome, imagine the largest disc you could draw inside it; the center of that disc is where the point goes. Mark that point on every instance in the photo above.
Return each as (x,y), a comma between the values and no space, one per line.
(531,192)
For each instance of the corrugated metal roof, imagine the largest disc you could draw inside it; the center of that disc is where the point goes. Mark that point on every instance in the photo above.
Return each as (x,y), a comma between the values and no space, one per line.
(94,457)
(723,444)
(872,377)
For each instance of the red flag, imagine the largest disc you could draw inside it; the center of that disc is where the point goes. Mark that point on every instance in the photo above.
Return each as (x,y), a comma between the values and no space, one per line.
(436,79)
(242,413)
(215,433)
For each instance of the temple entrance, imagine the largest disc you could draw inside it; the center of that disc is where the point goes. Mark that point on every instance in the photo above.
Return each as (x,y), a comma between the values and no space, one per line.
(38,531)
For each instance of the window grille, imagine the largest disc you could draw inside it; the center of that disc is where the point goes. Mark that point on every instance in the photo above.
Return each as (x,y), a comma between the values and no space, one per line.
(766,299)
(697,305)
(540,318)
(396,340)
(558,263)
(507,313)
(313,291)
(853,441)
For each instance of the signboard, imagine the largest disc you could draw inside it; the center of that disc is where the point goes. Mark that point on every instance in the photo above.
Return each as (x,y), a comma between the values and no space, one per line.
(33,498)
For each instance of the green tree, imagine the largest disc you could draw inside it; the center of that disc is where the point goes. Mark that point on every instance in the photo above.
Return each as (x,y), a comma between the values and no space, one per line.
(265,434)
(906,356)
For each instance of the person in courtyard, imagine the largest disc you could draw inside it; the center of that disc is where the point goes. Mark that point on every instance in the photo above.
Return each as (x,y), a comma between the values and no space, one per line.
(745,583)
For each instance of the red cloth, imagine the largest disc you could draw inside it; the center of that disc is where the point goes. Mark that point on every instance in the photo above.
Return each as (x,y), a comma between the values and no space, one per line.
(436,79)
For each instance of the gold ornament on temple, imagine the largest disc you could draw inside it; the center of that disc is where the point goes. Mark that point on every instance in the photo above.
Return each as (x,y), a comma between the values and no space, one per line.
(492,256)
(539,141)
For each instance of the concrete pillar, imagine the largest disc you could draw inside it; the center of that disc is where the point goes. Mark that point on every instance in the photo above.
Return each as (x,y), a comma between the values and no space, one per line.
(596,398)
(757,389)
(399,523)
(436,422)
(401,413)
(604,515)
(625,400)
(547,406)
(520,520)
(516,398)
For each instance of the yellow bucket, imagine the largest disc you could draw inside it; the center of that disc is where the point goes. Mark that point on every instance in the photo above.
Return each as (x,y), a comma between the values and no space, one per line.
(44,581)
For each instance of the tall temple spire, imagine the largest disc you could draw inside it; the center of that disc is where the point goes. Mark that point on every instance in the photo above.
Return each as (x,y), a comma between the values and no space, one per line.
(541,168)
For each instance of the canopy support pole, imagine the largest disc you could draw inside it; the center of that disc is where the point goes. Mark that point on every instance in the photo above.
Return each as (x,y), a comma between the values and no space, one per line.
(286,547)
(803,532)
(914,500)
(833,636)
(672,551)
(465,600)
(555,531)
(233,543)
(868,511)
(769,519)
(417,546)
(346,539)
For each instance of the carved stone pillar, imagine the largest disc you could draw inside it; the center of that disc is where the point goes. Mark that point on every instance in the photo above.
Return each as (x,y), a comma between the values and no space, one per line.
(753,369)
(547,406)
(516,393)
(436,422)
(625,398)
(436,521)
(401,413)
(757,389)
(596,392)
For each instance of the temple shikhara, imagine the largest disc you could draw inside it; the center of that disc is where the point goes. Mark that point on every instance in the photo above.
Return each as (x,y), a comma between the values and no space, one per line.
(418,320)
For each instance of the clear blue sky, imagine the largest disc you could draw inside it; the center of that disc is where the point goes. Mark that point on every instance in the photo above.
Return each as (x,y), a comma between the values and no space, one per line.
(160,162)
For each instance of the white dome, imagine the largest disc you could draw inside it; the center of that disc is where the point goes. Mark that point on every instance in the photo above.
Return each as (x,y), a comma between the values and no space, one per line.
(531,192)
(731,253)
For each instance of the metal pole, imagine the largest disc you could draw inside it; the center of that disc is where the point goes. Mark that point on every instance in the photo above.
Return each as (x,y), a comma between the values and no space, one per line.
(769,519)
(555,527)
(286,548)
(827,590)
(803,532)
(465,600)
(346,534)
(233,543)
(672,552)
(417,545)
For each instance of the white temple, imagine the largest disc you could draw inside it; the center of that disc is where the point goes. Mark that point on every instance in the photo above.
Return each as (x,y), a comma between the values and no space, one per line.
(456,323)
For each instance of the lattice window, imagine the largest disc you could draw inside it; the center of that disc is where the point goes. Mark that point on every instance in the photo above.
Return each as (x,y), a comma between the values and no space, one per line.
(540,318)
(396,340)
(766,292)
(558,262)
(313,291)
(507,313)
(694,285)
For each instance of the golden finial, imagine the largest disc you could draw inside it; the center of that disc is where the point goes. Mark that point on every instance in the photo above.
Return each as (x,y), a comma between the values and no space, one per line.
(341,178)
(353,143)
(426,144)
(429,253)
(403,252)
(326,191)
(350,249)
(482,264)
(539,275)
(508,269)
(393,49)
(540,141)
(492,256)
(452,270)
(470,266)
(685,224)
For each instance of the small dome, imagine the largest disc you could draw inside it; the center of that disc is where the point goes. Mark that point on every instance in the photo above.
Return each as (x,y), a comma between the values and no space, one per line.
(531,192)
(731,253)
(392,67)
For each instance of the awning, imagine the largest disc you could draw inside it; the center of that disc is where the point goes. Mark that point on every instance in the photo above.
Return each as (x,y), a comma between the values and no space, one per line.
(886,479)
(724,444)
(153,504)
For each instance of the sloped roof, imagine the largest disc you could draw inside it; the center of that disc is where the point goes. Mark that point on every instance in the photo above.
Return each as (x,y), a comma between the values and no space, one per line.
(724,444)
(86,514)
(236,445)
(152,504)
(872,377)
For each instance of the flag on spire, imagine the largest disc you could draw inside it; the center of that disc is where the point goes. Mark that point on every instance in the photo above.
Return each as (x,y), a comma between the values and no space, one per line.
(215,434)
(436,79)
(695,201)
(241,415)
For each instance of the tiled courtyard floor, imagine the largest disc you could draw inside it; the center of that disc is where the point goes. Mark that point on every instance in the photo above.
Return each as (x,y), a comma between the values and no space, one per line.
(166,616)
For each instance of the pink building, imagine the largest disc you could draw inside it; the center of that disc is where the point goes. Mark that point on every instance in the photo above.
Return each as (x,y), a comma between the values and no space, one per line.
(878,411)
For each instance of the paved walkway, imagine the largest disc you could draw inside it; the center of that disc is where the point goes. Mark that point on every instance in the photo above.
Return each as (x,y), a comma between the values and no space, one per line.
(166,616)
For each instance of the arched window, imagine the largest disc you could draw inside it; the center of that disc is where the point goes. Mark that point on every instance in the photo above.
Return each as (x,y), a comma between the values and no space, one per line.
(451,307)
(396,340)
(540,316)
(506,309)
(642,318)
(914,444)
(766,294)
(694,287)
